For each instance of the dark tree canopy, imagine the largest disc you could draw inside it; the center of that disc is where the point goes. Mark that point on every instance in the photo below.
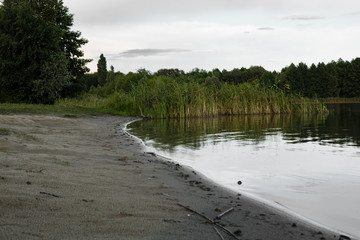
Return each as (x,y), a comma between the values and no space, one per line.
(102,70)
(335,79)
(40,56)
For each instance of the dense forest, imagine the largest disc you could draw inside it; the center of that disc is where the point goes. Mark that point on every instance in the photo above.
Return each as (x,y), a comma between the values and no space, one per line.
(41,62)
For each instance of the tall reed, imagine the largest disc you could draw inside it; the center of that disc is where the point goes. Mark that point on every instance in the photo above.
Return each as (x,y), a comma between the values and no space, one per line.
(164,97)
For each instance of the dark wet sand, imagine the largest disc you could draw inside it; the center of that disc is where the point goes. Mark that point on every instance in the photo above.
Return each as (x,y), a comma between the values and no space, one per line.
(85,178)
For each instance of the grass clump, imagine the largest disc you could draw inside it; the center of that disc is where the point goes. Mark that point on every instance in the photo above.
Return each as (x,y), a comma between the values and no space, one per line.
(4,132)
(25,136)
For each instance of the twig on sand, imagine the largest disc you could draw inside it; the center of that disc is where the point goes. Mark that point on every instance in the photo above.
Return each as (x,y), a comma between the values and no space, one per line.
(217,231)
(224,213)
(50,194)
(210,221)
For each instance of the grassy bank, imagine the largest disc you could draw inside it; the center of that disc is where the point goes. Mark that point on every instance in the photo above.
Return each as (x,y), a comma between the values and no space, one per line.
(73,110)
(164,97)
(168,97)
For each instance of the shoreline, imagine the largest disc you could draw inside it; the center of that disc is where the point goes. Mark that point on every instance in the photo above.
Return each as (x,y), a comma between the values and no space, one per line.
(281,209)
(277,204)
(87,178)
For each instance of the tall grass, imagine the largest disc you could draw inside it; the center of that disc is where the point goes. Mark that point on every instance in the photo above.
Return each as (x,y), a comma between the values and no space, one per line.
(340,100)
(164,97)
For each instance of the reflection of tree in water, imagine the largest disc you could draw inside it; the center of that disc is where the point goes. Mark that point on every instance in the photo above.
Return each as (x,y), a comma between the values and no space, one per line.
(341,126)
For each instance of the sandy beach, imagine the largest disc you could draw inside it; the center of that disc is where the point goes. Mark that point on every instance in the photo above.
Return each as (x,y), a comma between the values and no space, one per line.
(85,178)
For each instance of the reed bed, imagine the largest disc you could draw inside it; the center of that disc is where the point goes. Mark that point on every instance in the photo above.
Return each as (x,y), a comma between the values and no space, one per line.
(164,97)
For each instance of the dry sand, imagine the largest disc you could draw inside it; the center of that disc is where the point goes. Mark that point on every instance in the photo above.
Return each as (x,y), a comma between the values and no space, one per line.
(85,178)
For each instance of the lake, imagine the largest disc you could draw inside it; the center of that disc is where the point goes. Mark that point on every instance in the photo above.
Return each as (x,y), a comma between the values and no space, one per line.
(309,164)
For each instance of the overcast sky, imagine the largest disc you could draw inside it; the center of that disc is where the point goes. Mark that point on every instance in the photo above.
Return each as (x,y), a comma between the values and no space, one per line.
(222,34)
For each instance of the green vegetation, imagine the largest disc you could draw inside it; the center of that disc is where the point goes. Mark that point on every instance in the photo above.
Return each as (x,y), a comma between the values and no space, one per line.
(60,162)
(57,109)
(41,62)
(102,70)
(40,56)
(4,132)
(25,136)
(332,80)
(171,93)
(340,100)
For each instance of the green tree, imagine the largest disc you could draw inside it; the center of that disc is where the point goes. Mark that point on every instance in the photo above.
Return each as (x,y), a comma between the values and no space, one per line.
(348,74)
(39,55)
(355,63)
(324,83)
(173,72)
(102,70)
(268,80)
(242,75)
(54,75)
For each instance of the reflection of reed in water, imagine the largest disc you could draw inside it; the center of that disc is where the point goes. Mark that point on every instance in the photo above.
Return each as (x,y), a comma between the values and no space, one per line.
(254,128)
(339,127)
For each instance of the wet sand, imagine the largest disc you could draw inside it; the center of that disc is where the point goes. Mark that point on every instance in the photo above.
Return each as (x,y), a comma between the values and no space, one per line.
(85,178)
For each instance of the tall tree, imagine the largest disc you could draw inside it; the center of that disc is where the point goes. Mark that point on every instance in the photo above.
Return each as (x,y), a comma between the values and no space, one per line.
(102,70)
(39,54)
(111,74)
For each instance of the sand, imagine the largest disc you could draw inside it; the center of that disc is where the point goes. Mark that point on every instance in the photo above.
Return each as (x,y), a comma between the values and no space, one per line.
(85,178)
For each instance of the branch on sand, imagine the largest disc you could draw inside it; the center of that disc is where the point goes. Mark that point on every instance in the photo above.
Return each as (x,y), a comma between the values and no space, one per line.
(210,221)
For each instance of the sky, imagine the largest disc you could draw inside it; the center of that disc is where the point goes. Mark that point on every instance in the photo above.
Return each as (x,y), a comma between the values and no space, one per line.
(224,34)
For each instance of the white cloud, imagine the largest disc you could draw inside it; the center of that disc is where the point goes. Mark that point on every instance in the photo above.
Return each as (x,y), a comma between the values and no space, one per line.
(147,52)
(266,28)
(302,17)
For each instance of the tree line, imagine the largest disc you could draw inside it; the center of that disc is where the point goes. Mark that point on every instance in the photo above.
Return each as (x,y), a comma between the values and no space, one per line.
(335,79)
(41,61)
(173,93)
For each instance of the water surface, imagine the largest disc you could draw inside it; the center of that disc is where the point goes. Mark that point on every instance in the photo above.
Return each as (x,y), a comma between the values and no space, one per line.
(309,164)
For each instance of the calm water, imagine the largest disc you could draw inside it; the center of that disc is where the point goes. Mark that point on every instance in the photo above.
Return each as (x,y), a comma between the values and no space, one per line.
(309,164)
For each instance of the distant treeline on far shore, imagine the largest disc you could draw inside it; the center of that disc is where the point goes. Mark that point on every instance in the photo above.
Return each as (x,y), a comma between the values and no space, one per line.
(175,93)
(335,79)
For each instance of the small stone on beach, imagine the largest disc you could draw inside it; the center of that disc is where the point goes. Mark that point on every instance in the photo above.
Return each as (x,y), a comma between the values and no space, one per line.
(238,232)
